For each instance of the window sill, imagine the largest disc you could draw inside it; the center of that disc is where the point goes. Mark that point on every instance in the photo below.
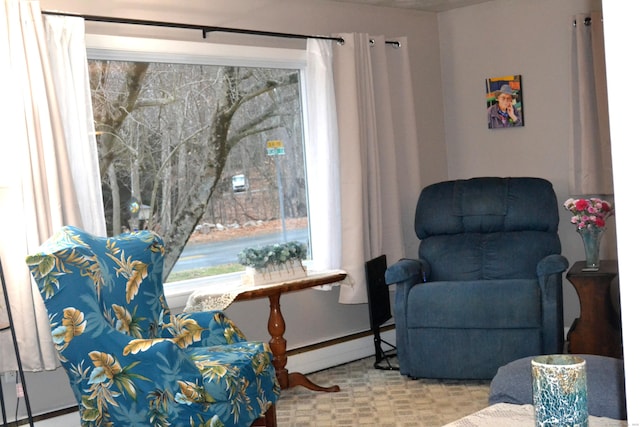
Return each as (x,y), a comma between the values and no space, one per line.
(177,293)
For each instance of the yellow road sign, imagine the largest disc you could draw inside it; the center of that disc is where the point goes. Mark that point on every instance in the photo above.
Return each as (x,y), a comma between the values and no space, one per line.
(275,147)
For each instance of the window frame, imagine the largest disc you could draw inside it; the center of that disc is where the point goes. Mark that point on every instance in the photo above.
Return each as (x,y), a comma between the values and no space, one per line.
(122,48)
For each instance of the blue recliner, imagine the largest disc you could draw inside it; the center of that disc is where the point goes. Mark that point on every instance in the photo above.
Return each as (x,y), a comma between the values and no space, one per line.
(487,287)
(129,361)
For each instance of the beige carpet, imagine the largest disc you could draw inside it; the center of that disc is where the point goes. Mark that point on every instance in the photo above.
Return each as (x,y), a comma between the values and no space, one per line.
(368,397)
(373,397)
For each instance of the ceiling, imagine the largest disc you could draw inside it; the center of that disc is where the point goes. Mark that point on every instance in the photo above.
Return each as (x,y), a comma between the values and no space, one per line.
(428,5)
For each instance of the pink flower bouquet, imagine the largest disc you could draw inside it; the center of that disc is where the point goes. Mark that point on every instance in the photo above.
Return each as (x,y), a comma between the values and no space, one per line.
(589,212)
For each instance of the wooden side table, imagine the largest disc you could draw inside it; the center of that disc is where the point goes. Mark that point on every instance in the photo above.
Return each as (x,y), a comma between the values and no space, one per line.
(276,325)
(204,299)
(597,330)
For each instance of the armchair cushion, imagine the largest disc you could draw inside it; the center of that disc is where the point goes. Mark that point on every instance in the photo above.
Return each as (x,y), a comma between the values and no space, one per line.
(486,256)
(505,304)
(231,371)
(487,204)
(482,199)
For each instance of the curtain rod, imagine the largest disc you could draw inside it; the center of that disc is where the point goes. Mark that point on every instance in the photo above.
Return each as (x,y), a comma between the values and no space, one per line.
(586,21)
(203,28)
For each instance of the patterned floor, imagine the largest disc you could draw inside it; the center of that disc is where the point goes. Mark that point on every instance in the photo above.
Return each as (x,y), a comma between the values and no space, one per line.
(373,397)
(368,397)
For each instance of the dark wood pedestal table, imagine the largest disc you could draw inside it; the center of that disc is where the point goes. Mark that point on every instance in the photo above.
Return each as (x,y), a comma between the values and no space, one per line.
(597,330)
(276,325)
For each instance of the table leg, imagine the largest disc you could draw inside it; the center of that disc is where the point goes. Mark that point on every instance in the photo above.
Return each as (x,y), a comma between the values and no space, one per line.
(278,344)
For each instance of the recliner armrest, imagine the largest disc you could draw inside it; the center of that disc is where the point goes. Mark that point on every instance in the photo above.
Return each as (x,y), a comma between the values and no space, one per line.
(550,270)
(552,264)
(408,271)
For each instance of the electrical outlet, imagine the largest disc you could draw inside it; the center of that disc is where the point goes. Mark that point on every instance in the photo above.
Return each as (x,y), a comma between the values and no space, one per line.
(19,390)
(9,377)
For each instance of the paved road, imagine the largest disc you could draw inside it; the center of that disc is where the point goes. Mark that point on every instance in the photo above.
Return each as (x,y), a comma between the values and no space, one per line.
(202,255)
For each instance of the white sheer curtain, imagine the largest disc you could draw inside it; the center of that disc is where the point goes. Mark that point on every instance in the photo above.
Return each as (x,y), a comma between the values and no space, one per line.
(377,155)
(592,170)
(70,73)
(323,157)
(48,160)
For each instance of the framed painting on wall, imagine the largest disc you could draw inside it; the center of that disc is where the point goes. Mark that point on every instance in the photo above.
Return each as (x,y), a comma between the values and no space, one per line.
(504,102)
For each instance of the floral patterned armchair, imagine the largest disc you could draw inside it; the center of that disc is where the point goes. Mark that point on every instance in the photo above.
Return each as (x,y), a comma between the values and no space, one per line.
(128,359)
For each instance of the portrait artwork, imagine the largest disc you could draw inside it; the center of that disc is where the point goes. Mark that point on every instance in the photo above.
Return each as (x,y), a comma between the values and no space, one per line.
(504,102)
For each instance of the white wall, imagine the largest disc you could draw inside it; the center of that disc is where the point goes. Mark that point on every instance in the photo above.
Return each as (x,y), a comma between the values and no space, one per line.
(505,37)
(311,316)
(622,35)
(534,39)
(451,53)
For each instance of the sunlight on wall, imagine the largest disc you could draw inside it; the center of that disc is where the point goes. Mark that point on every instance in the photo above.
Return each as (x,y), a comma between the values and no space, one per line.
(621,32)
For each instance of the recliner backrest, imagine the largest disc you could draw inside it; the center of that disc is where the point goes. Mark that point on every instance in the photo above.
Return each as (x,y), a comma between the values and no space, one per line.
(487,228)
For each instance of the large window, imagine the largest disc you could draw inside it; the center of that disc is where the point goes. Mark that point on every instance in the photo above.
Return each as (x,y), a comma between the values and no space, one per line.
(203,144)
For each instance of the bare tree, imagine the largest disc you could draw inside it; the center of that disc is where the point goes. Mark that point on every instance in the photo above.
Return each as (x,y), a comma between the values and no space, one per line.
(110,115)
(176,166)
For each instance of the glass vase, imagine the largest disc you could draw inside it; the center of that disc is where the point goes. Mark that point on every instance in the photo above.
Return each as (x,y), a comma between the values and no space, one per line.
(591,237)
(560,391)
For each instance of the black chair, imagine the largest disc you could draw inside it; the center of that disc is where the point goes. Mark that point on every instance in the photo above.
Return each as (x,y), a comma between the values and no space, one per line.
(379,310)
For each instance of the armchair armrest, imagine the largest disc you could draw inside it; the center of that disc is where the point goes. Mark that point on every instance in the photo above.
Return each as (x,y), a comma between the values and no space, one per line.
(202,329)
(552,264)
(405,273)
(550,270)
(408,271)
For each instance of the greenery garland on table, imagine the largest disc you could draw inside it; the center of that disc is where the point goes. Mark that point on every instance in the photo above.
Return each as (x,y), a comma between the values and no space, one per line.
(273,256)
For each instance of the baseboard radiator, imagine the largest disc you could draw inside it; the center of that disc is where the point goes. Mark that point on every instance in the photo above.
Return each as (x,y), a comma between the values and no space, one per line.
(308,359)
(336,352)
